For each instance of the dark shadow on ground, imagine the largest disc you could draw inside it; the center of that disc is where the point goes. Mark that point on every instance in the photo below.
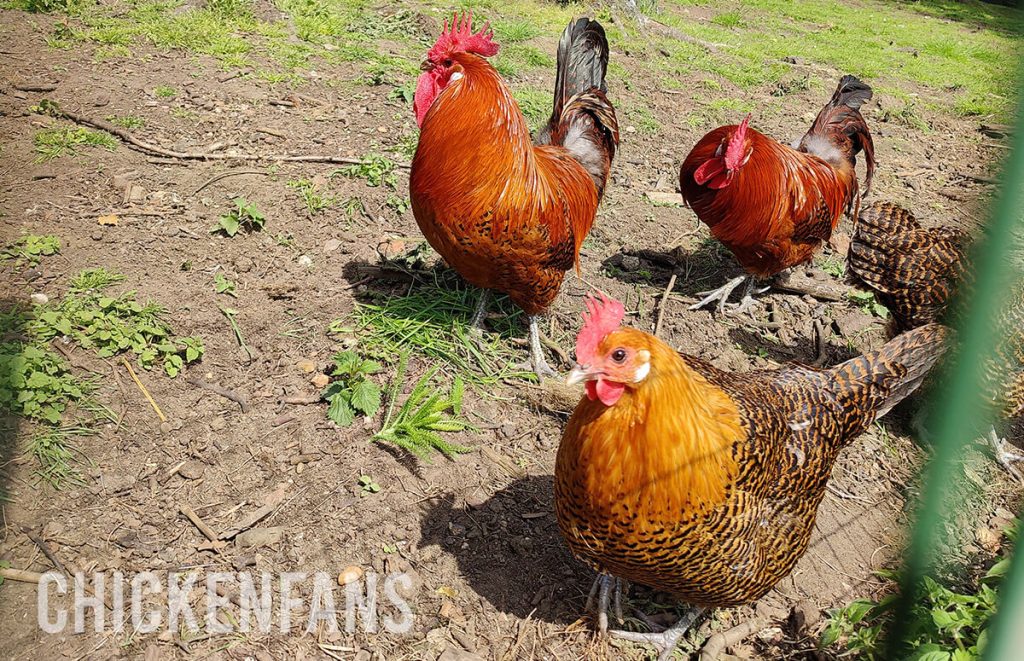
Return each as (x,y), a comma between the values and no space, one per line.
(510,551)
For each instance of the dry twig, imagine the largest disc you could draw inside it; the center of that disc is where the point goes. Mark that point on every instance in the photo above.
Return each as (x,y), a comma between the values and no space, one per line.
(223,392)
(661,307)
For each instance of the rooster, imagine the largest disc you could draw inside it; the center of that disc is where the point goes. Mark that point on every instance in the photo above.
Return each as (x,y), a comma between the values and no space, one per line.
(702,483)
(773,205)
(917,273)
(509,214)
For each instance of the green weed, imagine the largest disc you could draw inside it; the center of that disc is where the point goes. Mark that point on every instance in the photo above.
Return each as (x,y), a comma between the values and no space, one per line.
(368,485)
(57,454)
(222,285)
(867,302)
(314,200)
(351,390)
(376,170)
(128,121)
(245,216)
(418,424)
(164,92)
(30,249)
(66,141)
(36,383)
(948,624)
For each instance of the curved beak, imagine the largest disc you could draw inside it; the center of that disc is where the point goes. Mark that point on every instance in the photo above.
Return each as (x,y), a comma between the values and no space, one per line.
(426,65)
(579,374)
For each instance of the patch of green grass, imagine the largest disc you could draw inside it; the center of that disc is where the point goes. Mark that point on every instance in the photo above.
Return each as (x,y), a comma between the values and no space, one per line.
(375,169)
(184,113)
(128,121)
(245,216)
(311,195)
(30,249)
(426,413)
(164,92)
(644,120)
(514,31)
(55,450)
(66,141)
(881,42)
(907,115)
(351,390)
(433,321)
(535,104)
(728,19)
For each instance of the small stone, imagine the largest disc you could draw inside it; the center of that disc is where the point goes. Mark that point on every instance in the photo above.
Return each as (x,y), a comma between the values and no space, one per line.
(96,236)
(350,574)
(39,298)
(803,617)
(305,260)
(630,263)
(259,537)
(331,245)
(320,380)
(165,427)
(988,539)
(630,129)
(476,498)
(218,424)
(192,470)
(306,366)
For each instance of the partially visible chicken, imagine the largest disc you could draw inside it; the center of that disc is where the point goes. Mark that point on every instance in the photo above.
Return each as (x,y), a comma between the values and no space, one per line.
(508,214)
(917,273)
(705,484)
(773,205)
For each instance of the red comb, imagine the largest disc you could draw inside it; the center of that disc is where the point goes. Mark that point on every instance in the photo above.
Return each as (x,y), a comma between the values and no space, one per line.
(459,37)
(605,315)
(734,152)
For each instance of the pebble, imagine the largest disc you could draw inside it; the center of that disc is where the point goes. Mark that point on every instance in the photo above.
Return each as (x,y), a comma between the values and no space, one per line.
(306,365)
(350,574)
(259,537)
(218,424)
(331,245)
(630,263)
(305,260)
(39,298)
(192,470)
(320,380)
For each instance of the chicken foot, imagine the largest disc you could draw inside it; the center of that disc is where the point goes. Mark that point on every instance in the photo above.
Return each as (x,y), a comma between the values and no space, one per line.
(476,322)
(607,591)
(723,293)
(538,362)
(1004,456)
(665,641)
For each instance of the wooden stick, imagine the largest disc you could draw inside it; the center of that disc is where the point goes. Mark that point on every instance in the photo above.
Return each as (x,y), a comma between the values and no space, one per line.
(45,548)
(154,150)
(717,643)
(225,175)
(223,392)
(207,531)
(661,307)
(145,392)
(20,575)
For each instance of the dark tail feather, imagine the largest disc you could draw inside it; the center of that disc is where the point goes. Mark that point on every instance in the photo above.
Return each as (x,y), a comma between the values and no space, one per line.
(583,120)
(841,117)
(582,63)
(882,234)
(869,386)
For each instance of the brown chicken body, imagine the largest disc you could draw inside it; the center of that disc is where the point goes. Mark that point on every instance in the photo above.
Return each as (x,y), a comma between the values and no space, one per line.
(705,484)
(918,273)
(507,214)
(773,205)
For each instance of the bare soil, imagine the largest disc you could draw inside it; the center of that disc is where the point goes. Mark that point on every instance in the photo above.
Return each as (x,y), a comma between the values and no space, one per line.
(478,532)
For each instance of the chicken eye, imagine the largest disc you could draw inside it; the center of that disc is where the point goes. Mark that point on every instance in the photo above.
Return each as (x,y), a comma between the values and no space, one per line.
(448,62)
(619,355)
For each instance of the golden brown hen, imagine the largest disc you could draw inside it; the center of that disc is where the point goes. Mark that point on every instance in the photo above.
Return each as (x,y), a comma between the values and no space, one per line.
(917,273)
(702,483)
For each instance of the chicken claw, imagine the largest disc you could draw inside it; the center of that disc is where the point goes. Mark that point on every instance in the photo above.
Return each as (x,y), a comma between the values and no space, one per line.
(602,590)
(1004,456)
(721,294)
(665,641)
(537,361)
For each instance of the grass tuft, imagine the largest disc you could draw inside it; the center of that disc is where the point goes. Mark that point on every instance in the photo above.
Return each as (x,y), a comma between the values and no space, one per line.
(66,141)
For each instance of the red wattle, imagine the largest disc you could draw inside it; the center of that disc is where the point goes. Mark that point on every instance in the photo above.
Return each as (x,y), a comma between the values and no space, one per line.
(426,90)
(609,392)
(711,168)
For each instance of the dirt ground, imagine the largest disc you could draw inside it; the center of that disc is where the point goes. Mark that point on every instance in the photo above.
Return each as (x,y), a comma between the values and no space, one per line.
(477,533)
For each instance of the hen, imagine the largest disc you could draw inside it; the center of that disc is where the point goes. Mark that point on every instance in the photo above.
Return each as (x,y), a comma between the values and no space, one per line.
(917,273)
(509,214)
(702,483)
(773,205)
